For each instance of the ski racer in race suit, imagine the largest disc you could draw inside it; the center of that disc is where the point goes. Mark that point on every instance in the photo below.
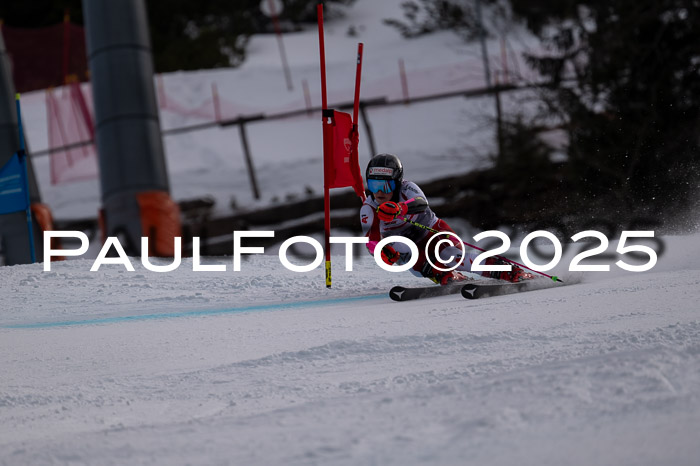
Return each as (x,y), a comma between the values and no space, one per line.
(382,215)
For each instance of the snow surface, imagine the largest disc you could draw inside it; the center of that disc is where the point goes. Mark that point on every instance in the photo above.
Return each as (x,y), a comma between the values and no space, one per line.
(265,366)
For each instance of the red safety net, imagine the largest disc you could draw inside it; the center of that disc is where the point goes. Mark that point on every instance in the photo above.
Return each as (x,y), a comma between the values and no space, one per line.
(70,123)
(46,57)
(214,108)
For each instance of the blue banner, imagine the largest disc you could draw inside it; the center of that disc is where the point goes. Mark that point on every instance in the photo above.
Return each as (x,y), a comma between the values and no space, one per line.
(12,195)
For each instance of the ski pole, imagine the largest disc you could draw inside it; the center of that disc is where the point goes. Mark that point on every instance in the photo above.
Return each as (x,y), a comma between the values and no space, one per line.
(553,277)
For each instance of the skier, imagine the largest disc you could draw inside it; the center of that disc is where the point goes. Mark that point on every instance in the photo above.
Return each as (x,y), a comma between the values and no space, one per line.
(382,215)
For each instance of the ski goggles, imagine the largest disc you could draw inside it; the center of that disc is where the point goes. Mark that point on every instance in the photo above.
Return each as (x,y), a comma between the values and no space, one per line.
(385,186)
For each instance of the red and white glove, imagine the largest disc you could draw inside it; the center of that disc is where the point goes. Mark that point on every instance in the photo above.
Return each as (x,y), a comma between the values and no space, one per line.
(388,211)
(390,255)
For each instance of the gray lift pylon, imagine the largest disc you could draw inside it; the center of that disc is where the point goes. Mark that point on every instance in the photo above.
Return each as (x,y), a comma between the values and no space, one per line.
(135,189)
(14,236)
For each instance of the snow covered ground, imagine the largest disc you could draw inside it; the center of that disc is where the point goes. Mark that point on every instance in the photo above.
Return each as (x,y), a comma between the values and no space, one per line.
(266,366)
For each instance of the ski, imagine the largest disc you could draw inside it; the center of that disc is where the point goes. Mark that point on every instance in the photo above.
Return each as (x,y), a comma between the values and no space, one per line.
(401,293)
(485,290)
(470,290)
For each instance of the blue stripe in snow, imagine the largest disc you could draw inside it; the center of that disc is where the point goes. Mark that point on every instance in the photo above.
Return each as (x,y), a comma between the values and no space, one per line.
(206,312)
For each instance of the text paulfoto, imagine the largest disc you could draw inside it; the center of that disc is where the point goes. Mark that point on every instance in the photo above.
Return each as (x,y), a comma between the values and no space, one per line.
(121,258)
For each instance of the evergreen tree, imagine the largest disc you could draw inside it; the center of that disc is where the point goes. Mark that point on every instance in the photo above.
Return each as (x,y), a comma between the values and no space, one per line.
(626,75)
(624,78)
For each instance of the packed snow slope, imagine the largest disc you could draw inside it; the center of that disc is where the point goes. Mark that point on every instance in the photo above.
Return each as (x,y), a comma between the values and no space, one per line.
(266,366)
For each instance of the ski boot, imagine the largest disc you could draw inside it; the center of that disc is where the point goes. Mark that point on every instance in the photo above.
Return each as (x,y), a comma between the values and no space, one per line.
(515,275)
(439,277)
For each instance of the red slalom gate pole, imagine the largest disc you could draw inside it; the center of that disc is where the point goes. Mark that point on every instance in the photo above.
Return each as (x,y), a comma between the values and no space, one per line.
(358,75)
(327,149)
(322,49)
(356,104)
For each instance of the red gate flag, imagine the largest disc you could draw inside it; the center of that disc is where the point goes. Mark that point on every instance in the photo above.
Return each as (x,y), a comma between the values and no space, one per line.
(343,167)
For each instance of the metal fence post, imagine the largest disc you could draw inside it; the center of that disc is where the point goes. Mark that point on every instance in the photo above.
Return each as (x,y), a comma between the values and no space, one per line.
(248,159)
(368,130)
